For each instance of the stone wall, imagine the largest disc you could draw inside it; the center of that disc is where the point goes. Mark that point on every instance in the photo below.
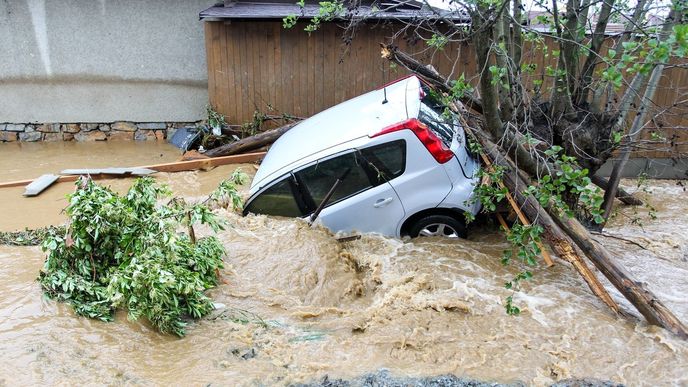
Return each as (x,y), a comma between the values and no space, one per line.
(114,131)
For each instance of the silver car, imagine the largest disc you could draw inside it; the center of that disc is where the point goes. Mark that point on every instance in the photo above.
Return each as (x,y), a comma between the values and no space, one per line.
(387,162)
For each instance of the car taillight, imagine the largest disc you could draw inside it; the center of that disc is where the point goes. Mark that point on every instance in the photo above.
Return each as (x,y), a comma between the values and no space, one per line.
(433,144)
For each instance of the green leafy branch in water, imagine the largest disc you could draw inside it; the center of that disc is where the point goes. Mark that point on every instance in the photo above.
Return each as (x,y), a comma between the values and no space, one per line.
(124,251)
(28,237)
(551,192)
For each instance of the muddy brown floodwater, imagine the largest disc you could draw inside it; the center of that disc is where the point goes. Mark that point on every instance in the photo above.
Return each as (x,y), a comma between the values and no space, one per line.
(300,305)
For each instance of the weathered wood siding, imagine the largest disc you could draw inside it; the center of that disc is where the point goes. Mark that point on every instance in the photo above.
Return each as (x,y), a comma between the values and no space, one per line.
(260,66)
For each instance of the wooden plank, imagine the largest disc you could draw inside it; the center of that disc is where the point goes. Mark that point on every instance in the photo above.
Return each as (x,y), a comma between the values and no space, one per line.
(297,71)
(206,163)
(166,167)
(108,171)
(217,102)
(230,108)
(277,69)
(287,74)
(267,84)
(209,43)
(304,74)
(269,63)
(319,71)
(254,71)
(39,185)
(310,72)
(234,31)
(243,66)
(221,73)
(329,66)
(339,69)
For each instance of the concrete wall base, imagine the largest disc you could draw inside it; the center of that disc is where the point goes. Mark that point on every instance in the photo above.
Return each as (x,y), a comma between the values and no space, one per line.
(653,168)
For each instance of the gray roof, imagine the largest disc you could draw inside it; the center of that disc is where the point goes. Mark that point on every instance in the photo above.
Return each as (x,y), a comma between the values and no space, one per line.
(278,9)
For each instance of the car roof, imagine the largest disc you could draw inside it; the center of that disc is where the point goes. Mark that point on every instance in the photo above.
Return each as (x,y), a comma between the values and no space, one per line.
(349,120)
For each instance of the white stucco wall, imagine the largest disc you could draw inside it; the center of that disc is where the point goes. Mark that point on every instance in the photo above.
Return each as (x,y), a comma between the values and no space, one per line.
(102,60)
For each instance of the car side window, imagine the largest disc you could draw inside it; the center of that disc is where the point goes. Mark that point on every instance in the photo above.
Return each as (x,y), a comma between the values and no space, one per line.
(278,200)
(386,161)
(320,178)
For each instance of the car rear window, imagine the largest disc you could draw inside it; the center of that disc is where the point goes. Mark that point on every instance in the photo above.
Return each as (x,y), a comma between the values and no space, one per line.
(432,114)
(278,200)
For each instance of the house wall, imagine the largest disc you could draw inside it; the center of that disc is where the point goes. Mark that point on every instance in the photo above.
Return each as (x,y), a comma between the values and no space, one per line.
(260,66)
(100,61)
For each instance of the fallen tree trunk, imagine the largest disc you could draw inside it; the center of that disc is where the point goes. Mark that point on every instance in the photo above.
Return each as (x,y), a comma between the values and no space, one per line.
(621,194)
(560,243)
(654,311)
(514,140)
(567,237)
(427,72)
(577,237)
(250,143)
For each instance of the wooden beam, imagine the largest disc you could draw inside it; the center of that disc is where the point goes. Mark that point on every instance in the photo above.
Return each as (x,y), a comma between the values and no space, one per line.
(191,165)
(166,167)
(39,185)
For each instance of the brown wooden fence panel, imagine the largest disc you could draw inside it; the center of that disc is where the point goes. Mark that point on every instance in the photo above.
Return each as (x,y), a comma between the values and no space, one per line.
(262,67)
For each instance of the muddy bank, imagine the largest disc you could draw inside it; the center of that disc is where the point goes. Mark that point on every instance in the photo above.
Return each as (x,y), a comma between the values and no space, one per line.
(298,306)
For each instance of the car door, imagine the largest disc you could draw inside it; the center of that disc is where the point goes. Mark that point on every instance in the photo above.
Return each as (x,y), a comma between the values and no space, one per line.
(364,200)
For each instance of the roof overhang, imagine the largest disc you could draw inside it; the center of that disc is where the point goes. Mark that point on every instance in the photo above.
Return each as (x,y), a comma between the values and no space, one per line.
(244,10)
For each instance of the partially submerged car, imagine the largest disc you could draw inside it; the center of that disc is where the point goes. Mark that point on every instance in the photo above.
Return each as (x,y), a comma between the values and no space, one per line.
(388,162)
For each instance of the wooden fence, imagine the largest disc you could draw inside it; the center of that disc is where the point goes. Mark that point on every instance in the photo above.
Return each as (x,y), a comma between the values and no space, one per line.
(262,67)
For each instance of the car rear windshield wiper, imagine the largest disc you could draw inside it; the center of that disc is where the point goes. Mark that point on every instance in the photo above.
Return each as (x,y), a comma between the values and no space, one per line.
(329,195)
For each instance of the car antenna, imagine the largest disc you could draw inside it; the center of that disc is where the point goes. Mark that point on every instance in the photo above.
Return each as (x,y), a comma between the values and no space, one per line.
(384,90)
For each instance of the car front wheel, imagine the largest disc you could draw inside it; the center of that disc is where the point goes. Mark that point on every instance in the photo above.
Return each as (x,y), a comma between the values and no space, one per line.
(438,225)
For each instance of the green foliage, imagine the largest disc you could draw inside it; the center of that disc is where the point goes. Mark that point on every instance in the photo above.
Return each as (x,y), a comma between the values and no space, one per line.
(499,76)
(437,41)
(328,10)
(215,119)
(289,21)
(490,194)
(549,191)
(28,237)
(124,251)
(569,180)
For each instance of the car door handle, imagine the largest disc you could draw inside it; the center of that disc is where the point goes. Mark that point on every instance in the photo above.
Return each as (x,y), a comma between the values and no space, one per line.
(382,202)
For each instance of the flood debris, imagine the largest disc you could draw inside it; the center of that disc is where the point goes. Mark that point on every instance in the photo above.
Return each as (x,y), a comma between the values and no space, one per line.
(124,251)
(250,143)
(133,171)
(564,233)
(39,185)
(29,237)
(72,175)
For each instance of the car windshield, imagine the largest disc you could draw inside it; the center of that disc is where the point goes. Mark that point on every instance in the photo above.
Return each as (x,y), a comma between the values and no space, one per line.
(432,114)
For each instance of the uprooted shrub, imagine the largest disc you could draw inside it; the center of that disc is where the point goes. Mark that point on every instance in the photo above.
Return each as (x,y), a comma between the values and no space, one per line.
(132,252)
